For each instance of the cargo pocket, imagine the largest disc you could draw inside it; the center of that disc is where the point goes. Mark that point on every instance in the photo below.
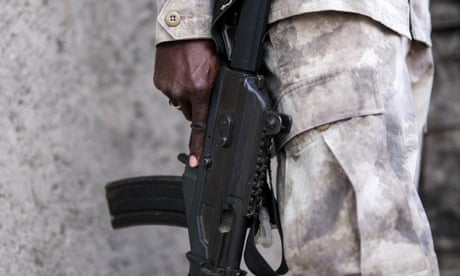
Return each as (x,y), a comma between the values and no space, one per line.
(329,98)
(393,228)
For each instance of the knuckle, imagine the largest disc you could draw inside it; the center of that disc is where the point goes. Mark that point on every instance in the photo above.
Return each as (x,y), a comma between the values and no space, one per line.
(161,85)
(201,93)
(157,83)
(202,86)
(179,96)
(198,128)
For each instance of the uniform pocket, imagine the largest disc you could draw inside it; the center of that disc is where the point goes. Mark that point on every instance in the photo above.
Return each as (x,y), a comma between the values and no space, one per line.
(329,98)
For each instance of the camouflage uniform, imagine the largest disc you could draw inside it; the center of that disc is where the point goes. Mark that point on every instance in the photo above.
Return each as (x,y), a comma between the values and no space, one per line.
(358,93)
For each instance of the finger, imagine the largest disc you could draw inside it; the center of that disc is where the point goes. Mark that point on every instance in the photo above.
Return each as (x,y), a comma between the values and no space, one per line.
(199,117)
(186,109)
(196,142)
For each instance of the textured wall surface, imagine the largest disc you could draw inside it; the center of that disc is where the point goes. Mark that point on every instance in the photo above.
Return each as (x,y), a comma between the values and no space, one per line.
(77,109)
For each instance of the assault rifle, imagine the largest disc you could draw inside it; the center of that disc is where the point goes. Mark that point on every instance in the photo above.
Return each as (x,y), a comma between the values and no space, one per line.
(228,193)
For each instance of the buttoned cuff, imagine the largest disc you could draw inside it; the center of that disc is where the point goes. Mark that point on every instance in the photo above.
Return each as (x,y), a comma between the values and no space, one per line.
(184,20)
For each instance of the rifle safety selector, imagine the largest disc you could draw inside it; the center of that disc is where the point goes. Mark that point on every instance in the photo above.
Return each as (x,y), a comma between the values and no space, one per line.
(225,126)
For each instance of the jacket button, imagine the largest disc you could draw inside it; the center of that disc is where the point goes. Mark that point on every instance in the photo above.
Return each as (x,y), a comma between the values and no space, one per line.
(172,19)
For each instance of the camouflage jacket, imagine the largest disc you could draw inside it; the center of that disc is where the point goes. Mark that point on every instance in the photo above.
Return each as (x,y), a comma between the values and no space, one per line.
(191,19)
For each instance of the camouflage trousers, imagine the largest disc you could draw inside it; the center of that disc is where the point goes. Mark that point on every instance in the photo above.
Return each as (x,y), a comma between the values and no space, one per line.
(358,94)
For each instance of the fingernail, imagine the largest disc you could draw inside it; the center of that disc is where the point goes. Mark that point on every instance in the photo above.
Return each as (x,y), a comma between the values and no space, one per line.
(192,161)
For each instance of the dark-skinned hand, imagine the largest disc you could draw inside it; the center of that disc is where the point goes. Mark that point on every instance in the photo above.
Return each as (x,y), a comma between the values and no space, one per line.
(185,72)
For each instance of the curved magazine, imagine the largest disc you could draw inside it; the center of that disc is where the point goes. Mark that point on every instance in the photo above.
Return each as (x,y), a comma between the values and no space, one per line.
(146,200)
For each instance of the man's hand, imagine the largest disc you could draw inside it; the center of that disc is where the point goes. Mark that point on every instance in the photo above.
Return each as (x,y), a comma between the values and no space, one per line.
(185,72)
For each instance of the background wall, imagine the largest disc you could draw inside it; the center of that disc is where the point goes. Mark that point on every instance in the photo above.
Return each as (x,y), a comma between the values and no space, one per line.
(77,109)
(440,182)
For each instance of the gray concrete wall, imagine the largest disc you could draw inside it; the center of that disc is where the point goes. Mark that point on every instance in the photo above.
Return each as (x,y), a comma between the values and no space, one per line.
(77,109)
